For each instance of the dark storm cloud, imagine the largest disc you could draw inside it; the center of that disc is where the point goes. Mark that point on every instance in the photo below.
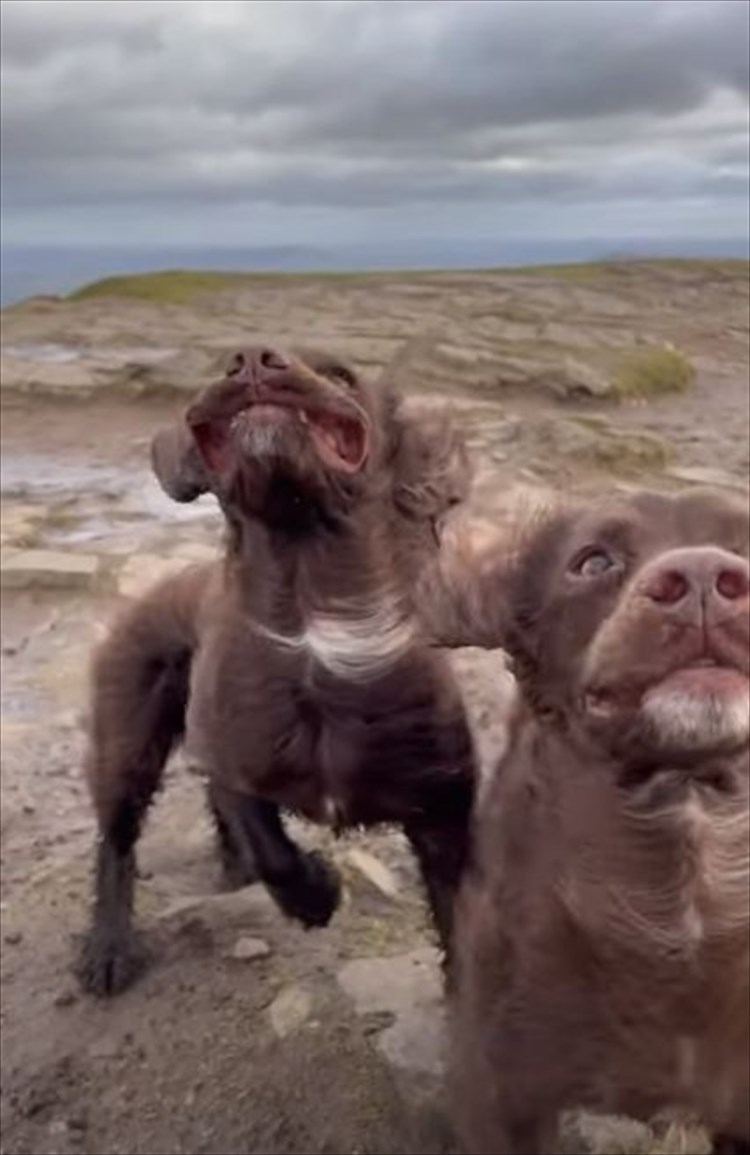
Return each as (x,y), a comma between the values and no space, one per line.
(371,103)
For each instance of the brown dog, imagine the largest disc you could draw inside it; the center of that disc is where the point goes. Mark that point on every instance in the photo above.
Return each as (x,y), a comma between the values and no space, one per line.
(296,669)
(602,932)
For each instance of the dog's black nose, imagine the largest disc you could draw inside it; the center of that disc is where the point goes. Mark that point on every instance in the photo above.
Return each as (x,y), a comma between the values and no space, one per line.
(258,363)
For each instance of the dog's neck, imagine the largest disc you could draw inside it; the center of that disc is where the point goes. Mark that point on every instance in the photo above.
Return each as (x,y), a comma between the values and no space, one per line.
(338,595)
(660,867)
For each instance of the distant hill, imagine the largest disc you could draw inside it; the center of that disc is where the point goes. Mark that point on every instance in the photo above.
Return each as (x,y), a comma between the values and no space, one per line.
(31,270)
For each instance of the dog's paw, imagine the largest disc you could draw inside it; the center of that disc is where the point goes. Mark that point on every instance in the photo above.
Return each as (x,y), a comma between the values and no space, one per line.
(314,895)
(725,1145)
(108,964)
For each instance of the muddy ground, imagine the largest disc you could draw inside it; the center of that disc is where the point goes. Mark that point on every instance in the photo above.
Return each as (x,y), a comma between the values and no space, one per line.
(247,1034)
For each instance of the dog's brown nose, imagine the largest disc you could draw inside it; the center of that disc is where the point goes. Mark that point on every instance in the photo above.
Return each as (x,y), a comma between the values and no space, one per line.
(257,363)
(684,580)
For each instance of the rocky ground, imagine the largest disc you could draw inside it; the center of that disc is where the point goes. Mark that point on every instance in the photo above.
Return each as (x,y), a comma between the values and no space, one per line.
(248,1035)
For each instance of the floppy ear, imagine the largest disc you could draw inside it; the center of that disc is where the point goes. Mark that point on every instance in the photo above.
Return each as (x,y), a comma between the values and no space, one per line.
(177,464)
(432,471)
(470,595)
(461,593)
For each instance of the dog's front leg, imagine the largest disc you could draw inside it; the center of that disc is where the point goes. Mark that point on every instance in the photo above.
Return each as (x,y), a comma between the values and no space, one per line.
(440,840)
(302,883)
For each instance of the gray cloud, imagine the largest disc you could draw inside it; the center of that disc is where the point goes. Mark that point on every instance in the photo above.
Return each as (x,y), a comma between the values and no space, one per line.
(349,106)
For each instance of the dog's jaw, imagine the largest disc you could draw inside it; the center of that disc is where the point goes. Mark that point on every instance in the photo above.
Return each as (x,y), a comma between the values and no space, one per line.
(678,718)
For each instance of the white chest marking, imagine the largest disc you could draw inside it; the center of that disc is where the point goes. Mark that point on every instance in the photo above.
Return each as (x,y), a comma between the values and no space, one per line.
(359,642)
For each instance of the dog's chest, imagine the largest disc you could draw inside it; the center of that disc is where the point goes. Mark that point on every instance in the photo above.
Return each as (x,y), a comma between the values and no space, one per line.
(668,918)
(356,644)
(661,902)
(671,883)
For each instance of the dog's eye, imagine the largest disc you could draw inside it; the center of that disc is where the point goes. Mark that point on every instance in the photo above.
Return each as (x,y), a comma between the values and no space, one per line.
(341,373)
(592,562)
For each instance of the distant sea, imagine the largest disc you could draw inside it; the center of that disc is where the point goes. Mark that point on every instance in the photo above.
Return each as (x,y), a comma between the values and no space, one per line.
(26,270)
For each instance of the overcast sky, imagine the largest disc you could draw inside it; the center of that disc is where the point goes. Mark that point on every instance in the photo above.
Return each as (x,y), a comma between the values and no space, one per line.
(244,121)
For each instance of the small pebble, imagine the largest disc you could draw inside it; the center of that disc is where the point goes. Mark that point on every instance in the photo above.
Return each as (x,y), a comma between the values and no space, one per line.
(290,1010)
(246,949)
(103,1048)
(65,999)
(375,871)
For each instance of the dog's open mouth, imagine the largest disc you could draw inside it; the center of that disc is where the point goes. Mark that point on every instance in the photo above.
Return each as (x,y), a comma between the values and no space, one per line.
(693,710)
(341,441)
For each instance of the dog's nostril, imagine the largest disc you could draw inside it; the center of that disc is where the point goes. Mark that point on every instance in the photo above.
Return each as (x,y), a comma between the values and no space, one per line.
(270,359)
(236,365)
(668,587)
(733,583)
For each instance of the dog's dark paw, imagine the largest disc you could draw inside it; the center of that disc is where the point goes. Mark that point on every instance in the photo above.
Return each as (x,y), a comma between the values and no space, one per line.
(726,1145)
(108,964)
(314,895)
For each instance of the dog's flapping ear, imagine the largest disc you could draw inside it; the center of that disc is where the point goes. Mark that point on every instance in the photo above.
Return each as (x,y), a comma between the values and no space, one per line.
(480,588)
(177,464)
(432,471)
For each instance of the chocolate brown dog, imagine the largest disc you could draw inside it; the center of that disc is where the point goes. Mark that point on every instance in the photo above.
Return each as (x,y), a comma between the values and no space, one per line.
(297,669)
(603,929)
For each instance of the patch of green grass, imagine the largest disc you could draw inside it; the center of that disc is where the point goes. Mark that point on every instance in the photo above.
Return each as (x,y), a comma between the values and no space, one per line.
(176,286)
(588,270)
(584,271)
(593,421)
(631,452)
(651,372)
(714,266)
(170,286)
(619,452)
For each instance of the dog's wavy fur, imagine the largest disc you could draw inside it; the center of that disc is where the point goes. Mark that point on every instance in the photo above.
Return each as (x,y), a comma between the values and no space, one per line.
(297,669)
(603,926)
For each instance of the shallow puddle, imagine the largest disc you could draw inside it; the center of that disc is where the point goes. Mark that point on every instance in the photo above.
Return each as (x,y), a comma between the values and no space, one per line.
(93,502)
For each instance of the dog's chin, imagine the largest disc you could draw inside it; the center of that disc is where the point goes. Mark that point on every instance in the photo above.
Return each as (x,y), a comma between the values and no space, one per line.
(279,480)
(691,714)
(699,711)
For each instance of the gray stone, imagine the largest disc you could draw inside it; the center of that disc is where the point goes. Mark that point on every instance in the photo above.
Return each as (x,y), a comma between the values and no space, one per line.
(247,949)
(104,1047)
(141,572)
(507,431)
(290,1010)
(409,988)
(196,551)
(20,524)
(47,377)
(48,569)
(705,475)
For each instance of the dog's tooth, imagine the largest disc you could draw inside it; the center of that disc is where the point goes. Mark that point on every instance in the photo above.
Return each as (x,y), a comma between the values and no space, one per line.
(303,417)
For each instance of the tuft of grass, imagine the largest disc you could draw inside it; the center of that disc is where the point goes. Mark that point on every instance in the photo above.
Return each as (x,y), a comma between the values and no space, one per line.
(632,452)
(652,372)
(170,286)
(580,271)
